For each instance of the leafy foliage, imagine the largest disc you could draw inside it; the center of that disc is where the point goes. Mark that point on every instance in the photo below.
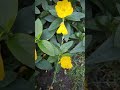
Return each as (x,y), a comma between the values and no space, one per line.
(52,46)
(16,45)
(102,52)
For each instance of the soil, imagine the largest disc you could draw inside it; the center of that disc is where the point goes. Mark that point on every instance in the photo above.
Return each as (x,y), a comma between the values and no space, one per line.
(44,80)
(106,77)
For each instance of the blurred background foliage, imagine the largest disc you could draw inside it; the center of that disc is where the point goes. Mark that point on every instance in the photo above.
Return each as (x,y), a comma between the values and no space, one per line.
(17,44)
(103,41)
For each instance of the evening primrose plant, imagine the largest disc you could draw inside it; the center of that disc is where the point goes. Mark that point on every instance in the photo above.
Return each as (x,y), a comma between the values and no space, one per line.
(63,9)
(59,34)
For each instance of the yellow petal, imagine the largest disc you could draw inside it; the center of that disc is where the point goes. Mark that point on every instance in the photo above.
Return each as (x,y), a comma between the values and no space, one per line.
(2,73)
(64,8)
(65,32)
(65,62)
(62,29)
(35,55)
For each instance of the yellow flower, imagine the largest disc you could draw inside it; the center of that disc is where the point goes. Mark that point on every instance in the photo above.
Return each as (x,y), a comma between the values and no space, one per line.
(35,55)
(64,8)
(65,62)
(62,29)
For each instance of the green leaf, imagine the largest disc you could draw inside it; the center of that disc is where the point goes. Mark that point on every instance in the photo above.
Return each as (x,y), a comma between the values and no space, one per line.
(82,2)
(22,47)
(46,47)
(92,22)
(66,54)
(58,68)
(45,5)
(50,18)
(52,59)
(54,41)
(103,20)
(43,14)
(43,21)
(76,16)
(66,46)
(37,11)
(56,50)
(8,15)
(25,20)
(69,32)
(79,48)
(80,27)
(55,24)
(55,1)
(98,3)
(118,7)
(88,40)
(53,12)
(44,65)
(38,28)
(105,53)
(38,2)
(117,38)
(46,35)
(109,6)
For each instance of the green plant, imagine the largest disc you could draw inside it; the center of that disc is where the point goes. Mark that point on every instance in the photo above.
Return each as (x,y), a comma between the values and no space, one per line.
(51,46)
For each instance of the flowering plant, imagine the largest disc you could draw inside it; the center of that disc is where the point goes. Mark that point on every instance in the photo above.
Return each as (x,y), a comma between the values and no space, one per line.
(59,36)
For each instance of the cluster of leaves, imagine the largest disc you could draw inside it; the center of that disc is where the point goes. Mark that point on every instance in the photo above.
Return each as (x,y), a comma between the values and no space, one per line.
(16,45)
(102,32)
(48,41)
(106,23)
(50,46)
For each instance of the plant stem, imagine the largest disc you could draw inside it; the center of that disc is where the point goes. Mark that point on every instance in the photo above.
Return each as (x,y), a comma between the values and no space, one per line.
(62,40)
(55,72)
(63,19)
